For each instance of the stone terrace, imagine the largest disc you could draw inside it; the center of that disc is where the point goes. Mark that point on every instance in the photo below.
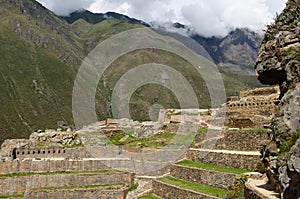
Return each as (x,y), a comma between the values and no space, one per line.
(37,166)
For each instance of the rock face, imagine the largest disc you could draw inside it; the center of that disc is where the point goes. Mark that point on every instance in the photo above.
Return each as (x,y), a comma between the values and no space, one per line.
(278,58)
(238,49)
(278,62)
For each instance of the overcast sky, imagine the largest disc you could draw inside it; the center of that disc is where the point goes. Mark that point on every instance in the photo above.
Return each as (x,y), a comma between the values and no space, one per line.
(207,17)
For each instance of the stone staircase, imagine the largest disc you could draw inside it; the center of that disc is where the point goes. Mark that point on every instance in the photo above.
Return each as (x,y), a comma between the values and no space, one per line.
(214,169)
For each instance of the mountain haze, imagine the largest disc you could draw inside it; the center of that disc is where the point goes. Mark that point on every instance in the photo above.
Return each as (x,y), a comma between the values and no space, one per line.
(41,53)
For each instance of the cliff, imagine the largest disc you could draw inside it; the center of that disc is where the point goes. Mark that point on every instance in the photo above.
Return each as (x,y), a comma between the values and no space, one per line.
(278,62)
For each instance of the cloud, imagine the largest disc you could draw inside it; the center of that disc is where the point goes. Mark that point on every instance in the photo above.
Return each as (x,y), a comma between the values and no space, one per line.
(65,7)
(213,17)
(207,17)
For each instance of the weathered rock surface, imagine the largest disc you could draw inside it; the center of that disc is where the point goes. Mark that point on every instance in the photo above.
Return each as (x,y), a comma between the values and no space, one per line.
(278,62)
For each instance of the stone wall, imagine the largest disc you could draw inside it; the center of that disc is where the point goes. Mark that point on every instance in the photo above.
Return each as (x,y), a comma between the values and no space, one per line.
(250,194)
(54,152)
(243,140)
(168,191)
(260,91)
(94,193)
(260,189)
(241,161)
(25,166)
(19,184)
(253,104)
(211,178)
(249,114)
(252,108)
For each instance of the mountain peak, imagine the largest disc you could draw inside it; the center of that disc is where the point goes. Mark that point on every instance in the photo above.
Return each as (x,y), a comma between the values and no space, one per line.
(95,18)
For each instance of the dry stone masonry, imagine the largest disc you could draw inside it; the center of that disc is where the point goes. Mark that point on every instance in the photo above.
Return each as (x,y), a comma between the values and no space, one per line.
(278,62)
(72,163)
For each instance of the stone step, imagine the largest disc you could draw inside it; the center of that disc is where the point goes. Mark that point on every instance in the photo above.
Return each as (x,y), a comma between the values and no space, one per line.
(258,188)
(144,187)
(15,184)
(210,177)
(248,160)
(184,190)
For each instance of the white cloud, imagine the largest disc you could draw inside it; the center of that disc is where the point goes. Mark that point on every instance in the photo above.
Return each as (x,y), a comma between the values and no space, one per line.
(65,7)
(207,17)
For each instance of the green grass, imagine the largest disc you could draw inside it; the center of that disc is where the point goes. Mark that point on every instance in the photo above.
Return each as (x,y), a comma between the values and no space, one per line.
(25,57)
(52,173)
(80,187)
(287,141)
(133,187)
(236,190)
(13,196)
(155,141)
(190,163)
(149,197)
(252,130)
(203,129)
(194,186)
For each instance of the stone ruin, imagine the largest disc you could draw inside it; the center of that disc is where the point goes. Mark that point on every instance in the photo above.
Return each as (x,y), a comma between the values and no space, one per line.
(252,108)
(73,155)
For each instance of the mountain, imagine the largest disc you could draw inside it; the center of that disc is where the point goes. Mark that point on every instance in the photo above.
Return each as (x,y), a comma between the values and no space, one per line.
(38,56)
(41,54)
(95,18)
(237,51)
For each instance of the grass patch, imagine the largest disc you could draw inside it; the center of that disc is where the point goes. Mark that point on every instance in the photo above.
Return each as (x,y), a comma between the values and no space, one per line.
(13,196)
(155,141)
(149,197)
(133,187)
(203,129)
(194,186)
(251,130)
(54,173)
(190,163)
(80,187)
(236,191)
(288,140)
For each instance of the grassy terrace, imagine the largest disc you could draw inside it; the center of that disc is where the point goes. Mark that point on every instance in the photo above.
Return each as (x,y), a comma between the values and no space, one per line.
(194,186)
(155,141)
(190,163)
(13,196)
(149,197)
(109,186)
(53,173)
(252,130)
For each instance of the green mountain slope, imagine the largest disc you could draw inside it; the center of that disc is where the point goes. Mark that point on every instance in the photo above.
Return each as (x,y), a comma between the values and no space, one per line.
(37,67)
(39,57)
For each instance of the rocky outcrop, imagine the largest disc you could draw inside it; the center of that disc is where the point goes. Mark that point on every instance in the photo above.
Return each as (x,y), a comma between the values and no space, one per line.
(278,62)
(278,58)
(238,50)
